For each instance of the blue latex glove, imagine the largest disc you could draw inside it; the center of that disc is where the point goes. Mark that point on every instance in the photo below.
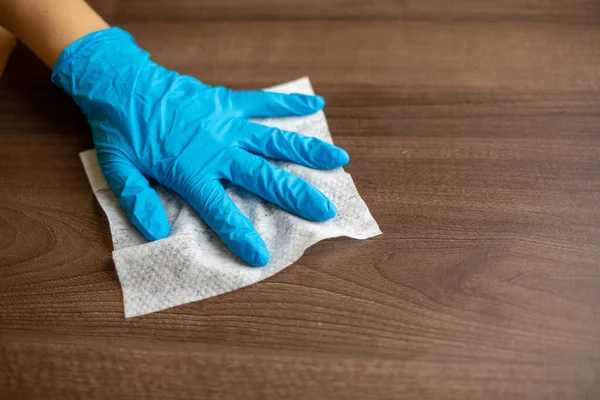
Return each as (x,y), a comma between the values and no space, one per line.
(150,122)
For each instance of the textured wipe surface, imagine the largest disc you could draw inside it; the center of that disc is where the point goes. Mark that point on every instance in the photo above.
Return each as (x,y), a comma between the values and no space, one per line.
(192,263)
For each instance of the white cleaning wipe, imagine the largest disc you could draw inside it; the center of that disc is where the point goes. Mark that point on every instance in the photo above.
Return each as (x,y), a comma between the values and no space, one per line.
(192,263)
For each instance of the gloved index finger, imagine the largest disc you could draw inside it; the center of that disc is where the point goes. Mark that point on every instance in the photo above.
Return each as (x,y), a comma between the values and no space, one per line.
(258,103)
(291,146)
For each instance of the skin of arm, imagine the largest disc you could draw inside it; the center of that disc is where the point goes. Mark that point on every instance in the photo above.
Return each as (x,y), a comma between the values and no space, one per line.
(48,27)
(7,43)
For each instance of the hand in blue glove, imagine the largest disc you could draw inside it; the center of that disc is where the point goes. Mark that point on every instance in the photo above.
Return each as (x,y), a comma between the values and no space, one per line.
(149,121)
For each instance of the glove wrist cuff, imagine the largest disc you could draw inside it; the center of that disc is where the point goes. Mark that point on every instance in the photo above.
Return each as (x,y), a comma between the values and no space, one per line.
(85,47)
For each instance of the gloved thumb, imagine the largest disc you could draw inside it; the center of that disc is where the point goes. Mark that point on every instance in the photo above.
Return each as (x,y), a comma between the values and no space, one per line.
(141,202)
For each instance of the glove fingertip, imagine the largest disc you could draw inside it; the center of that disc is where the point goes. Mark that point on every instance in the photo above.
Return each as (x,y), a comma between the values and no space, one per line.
(149,216)
(252,249)
(153,229)
(331,156)
(325,211)
(317,102)
(341,157)
(302,104)
(259,258)
(311,104)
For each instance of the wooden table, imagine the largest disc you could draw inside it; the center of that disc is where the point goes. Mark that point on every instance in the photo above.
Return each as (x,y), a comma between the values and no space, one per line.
(474,132)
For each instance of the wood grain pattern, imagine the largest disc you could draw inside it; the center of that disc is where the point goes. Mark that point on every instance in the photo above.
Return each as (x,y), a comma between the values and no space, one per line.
(473,132)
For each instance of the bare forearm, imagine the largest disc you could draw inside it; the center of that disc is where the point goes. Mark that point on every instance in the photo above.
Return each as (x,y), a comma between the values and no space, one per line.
(47,27)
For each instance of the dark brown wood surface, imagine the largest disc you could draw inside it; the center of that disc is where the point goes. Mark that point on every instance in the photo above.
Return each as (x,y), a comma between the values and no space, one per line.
(474,132)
